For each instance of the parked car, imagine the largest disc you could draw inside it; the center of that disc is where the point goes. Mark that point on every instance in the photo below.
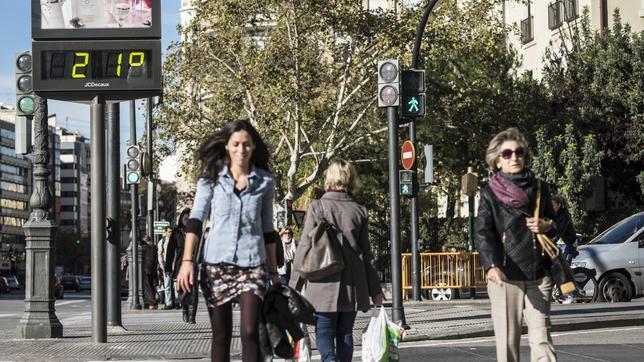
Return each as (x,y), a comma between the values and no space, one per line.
(85,282)
(12,281)
(71,282)
(617,255)
(4,285)
(59,290)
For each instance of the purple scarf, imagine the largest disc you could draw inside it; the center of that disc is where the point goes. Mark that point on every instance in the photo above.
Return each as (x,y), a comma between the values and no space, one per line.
(508,192)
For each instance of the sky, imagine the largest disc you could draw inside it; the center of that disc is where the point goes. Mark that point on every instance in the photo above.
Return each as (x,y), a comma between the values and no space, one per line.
(15,36)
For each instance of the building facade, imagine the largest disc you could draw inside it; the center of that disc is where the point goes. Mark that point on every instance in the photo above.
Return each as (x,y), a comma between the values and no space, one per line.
(15,191)
(542,22)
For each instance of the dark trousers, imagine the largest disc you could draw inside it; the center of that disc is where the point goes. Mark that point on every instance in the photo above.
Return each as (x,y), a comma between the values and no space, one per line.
(334,333)
(149,289)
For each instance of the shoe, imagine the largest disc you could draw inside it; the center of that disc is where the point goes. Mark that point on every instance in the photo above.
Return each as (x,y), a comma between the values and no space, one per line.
(152,306)
(568,300)
(168,307)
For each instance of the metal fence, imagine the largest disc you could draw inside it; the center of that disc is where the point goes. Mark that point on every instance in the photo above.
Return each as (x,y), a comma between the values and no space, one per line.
(445,270)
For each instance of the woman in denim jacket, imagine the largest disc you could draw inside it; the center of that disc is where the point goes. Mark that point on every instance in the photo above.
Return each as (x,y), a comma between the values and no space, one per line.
(236,189)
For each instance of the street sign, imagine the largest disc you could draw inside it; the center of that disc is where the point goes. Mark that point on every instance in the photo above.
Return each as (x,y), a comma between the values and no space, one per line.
(159,227)
(429,164)
(408,155)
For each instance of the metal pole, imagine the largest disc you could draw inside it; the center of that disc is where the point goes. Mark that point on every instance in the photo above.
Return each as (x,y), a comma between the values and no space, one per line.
(135,302)
(39,318)
(397,313)
(415,253)
(470,234)
(151,188)
(113,115)
(99,323)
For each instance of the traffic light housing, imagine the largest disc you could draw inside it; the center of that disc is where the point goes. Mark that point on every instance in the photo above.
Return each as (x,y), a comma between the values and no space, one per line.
(413,93)
(25,101)
(109,229)
(408,183)
(388,83)
(133,165)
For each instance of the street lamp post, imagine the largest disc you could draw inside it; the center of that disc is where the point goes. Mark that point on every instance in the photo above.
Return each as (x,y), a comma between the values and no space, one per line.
(39,319)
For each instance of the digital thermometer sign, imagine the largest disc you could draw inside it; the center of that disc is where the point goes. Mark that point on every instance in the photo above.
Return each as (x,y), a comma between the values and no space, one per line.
(79,70)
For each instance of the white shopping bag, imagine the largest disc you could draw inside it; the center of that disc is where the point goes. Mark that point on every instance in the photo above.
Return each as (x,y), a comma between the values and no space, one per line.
(374,339)
(303,347)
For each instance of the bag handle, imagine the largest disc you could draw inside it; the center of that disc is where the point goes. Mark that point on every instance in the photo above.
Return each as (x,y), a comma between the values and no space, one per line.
(546,244)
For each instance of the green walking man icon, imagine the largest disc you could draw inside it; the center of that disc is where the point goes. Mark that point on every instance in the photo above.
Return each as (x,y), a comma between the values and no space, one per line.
(413,105)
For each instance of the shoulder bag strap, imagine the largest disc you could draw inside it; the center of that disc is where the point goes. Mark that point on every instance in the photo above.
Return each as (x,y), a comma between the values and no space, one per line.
(546,244)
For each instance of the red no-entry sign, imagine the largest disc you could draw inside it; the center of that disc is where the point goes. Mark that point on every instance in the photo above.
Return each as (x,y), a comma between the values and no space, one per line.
(408,155)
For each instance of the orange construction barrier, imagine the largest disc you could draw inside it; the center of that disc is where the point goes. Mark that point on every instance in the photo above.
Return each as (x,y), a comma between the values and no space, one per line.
(445,270)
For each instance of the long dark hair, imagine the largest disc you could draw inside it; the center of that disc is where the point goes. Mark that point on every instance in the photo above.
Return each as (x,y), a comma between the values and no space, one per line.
(212,153)
(180,221)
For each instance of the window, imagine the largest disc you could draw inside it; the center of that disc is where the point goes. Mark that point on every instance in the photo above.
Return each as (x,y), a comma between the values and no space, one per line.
(554,15)
(12,221)
(12,187)
(526,30)
(7,133)
(13,204)
(67,151)
(68,208)
(13,170)
(620,232)
(570,10)
(68,194)
(68,180)
(8,151)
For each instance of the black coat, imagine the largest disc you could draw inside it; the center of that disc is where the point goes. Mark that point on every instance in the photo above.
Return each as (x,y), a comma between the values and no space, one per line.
(503,238)
(174,251)
(283,310)
(565,227)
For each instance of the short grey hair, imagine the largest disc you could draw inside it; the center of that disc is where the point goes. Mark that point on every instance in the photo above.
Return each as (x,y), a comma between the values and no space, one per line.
(340,176)
(493,151)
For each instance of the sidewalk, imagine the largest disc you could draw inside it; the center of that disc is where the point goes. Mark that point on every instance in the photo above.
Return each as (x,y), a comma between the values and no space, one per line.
(161,335)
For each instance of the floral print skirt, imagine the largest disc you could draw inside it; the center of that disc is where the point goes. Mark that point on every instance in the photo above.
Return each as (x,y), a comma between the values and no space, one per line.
(222,283)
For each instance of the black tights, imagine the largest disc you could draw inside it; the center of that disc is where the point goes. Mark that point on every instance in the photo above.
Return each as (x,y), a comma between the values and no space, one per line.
(221,322)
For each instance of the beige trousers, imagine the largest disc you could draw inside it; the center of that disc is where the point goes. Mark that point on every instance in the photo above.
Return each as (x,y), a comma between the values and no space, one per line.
(513,301)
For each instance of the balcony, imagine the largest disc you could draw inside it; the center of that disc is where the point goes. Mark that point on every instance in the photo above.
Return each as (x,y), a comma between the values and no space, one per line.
(555,19)
(571,10)
(527,30)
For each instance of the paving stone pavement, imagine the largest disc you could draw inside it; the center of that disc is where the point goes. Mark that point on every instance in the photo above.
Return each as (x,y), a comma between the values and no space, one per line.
(162,335)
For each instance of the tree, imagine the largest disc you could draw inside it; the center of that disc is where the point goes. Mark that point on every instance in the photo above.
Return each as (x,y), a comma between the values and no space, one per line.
(595,91)
(301,71)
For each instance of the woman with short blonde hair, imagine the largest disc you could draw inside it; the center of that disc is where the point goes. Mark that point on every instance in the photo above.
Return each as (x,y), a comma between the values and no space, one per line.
(340,176)
(493,152)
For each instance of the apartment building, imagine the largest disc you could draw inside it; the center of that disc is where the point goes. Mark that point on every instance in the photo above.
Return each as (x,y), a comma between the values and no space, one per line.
(544,21)
(74,184)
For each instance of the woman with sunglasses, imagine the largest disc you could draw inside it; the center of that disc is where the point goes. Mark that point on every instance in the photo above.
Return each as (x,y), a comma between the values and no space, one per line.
(517,270)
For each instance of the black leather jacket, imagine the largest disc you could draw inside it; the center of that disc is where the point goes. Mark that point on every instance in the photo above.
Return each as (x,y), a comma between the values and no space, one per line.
(503,239)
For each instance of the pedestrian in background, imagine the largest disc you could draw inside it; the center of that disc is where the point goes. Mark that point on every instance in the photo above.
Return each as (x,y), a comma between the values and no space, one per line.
(338,297)
(517,271)
(150,270)
(168,281)
(176,244)
(567,236)
(287,248)
(237,189)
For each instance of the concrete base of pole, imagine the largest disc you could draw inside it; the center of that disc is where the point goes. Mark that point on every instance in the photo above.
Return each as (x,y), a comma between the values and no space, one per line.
(39,319)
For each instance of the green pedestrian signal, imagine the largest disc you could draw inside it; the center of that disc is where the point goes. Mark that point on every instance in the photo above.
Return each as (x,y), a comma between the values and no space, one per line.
(77,242)
(413,93)
(407,182)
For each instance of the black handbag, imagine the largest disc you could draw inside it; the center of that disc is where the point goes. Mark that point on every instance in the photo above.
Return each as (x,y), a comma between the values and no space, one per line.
(324,257)
(190,300)
(560,271)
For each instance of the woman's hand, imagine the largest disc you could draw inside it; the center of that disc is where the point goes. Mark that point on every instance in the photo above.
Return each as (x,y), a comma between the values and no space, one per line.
(494,275)
(538,226)
(186,277)
(378,299)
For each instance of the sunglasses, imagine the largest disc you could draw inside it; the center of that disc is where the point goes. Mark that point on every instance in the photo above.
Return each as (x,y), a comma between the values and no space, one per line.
(507,153)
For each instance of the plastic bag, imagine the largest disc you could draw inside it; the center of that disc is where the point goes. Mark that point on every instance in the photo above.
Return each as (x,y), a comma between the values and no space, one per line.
(374,339)
(303,347)
(395,334)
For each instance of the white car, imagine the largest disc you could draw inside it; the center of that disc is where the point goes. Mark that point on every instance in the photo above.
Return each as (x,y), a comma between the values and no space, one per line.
(617,255)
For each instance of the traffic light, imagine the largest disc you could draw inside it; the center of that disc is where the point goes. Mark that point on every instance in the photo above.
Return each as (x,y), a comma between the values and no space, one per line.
(109,228)
(77,241)
(413,90)
(288,208)
(133,165)
(24,85)
(407,181)
(388,83)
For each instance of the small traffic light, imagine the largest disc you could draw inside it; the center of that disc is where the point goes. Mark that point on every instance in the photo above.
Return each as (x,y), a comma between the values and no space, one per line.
(413,90)
(109,229)
(288,208)
(77,241)
(24,85)
(133,165)
(407,181)
(388,83)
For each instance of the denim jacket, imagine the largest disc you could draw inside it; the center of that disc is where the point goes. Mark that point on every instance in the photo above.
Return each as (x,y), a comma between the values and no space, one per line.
(237,223)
